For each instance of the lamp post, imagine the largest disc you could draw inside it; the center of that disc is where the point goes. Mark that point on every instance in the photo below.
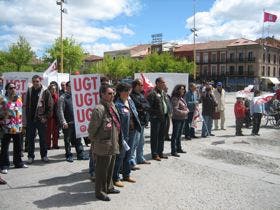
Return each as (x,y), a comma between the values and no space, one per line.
(193,30)
(62,10)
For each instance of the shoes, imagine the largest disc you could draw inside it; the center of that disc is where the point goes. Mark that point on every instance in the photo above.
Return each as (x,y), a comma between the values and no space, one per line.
(49,148)
(181,151)
(212,134)
(21,166)
(4,171)
(45,159)
(30,160)
(145,162)
(83,158)
(129,179)
(70,159)
(239,134)
(203,136)
(113,191)
(157,158)
(55,147)
(188,138)
(134,168)
(2,181)
(195,137)
(216,128)
(119,184)
(223,129)
(175,154)
(103,197)
(257,134)
(163,156)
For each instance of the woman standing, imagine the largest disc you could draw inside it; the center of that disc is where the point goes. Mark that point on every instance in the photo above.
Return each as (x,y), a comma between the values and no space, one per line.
(12,128)
(180,114)
(52,126)
(130,125)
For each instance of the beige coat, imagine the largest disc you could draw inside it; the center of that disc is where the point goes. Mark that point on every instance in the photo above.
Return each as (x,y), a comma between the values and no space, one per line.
(103,133)
(220,99)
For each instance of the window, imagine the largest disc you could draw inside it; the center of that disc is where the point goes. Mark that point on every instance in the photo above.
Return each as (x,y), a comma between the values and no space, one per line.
(205,57)
(213,57)
(268,71)
(223,70)
(264,57)
(263,71)
(268,58)
(197,58)
(240,56)
(250,70)
(223,57)
(274,59)
(231,70)
(214,70)
(274,72)
(250,55)
(231,57)
(240,70)
(205,70)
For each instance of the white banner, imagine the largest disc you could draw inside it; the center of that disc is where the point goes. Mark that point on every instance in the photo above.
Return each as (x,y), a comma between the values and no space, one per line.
(85,96)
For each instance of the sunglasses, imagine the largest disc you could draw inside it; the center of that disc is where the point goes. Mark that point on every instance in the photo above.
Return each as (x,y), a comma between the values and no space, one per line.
(11,88)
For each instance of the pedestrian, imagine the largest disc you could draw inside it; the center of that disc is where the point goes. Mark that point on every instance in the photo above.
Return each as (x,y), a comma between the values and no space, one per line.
(219,94)
(169,116)
(208,109)
(240,114)
(192,99)
(104,133)
(130,125)
(179,116)
(37,109)
(11,111)
(158,116)
(256,110)
(53,122)
(143,107)
(62,88)
(66,119)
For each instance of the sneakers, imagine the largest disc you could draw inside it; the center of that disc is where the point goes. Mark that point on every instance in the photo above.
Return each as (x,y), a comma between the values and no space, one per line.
(45,159)
(118,184)
(21,166)
(30,160)
(69,159)
(4,171)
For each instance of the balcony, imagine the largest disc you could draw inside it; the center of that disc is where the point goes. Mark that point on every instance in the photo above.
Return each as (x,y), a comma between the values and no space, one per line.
(241,60)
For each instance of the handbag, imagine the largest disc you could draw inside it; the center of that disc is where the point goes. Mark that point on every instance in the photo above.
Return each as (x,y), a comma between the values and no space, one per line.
(216,115)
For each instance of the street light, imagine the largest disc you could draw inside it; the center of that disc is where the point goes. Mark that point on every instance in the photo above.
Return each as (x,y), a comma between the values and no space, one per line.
(62,10)
(193,30)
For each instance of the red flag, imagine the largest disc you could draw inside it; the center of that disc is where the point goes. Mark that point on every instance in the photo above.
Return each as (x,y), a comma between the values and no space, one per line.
(268,17)
(147,84)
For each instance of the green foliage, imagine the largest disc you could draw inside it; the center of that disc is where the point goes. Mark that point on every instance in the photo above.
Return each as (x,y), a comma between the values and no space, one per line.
(73,54)
(20,53)
(122,66)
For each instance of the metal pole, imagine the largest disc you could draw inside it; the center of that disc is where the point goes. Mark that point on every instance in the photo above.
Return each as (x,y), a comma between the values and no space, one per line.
(61,39)
(194,48)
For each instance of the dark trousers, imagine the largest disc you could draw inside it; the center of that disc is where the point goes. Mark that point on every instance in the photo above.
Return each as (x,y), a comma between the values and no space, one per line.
(104,167)
(256,122)
(157,135)
(167,126)
(30,135)
(189,131)
(239,124)
(4,156)
(176,135)
(70,136)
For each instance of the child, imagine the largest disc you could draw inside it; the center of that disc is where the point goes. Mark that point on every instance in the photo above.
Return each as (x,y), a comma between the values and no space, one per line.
(239,111)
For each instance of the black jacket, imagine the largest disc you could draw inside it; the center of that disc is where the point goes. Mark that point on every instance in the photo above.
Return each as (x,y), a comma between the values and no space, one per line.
(142,106)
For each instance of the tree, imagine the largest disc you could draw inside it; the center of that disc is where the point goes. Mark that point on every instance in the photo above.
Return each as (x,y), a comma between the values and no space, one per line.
(73,54)
(20,53)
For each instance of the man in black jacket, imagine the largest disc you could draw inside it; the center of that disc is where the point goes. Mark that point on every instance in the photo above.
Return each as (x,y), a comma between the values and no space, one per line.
(158,116)
(66,118)
(142,106)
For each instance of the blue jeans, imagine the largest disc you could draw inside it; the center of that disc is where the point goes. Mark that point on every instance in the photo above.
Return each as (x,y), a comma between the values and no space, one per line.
(134,149)
(207,125)
(123,159)
(31,133)
(140,149)
(176,135)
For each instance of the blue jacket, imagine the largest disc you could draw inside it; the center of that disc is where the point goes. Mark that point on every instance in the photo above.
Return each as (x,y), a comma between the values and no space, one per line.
(192,99)
(256,108)
(125,117)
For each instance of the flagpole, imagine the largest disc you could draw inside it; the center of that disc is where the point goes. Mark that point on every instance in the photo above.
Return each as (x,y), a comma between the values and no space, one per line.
(194,47)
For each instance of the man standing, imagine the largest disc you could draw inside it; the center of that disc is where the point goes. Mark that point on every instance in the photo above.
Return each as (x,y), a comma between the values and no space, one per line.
(66,118)
(158,116)
(104,131)
(36,110)
(62,89)
(219,94)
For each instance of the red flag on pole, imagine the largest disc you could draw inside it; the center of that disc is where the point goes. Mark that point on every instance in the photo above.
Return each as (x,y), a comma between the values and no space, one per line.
(268,17)
(147,84)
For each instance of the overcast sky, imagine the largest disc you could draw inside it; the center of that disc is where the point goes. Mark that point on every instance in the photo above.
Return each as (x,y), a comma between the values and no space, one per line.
(102,25)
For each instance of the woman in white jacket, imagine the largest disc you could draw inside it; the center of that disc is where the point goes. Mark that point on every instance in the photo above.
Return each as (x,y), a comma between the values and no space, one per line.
(219,94)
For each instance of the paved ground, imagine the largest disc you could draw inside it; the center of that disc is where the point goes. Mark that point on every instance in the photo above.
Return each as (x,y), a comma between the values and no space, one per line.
(221,172)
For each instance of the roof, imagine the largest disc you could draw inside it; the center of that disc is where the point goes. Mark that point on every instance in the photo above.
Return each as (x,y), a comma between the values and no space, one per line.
(242,42)
(91,58)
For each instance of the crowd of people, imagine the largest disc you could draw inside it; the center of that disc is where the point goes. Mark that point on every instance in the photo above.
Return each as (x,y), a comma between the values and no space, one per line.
(116,128)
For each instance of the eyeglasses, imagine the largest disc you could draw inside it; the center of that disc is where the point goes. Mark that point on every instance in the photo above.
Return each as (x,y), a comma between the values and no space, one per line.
(11,88)
(111,93)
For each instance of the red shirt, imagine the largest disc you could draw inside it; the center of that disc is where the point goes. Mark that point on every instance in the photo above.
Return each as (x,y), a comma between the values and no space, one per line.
(239,110)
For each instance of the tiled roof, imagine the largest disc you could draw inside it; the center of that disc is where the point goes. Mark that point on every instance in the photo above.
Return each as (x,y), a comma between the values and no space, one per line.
(91,58)
(242,42)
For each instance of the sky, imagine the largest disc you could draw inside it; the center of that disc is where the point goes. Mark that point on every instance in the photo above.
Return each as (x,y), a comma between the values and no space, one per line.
(104,25)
